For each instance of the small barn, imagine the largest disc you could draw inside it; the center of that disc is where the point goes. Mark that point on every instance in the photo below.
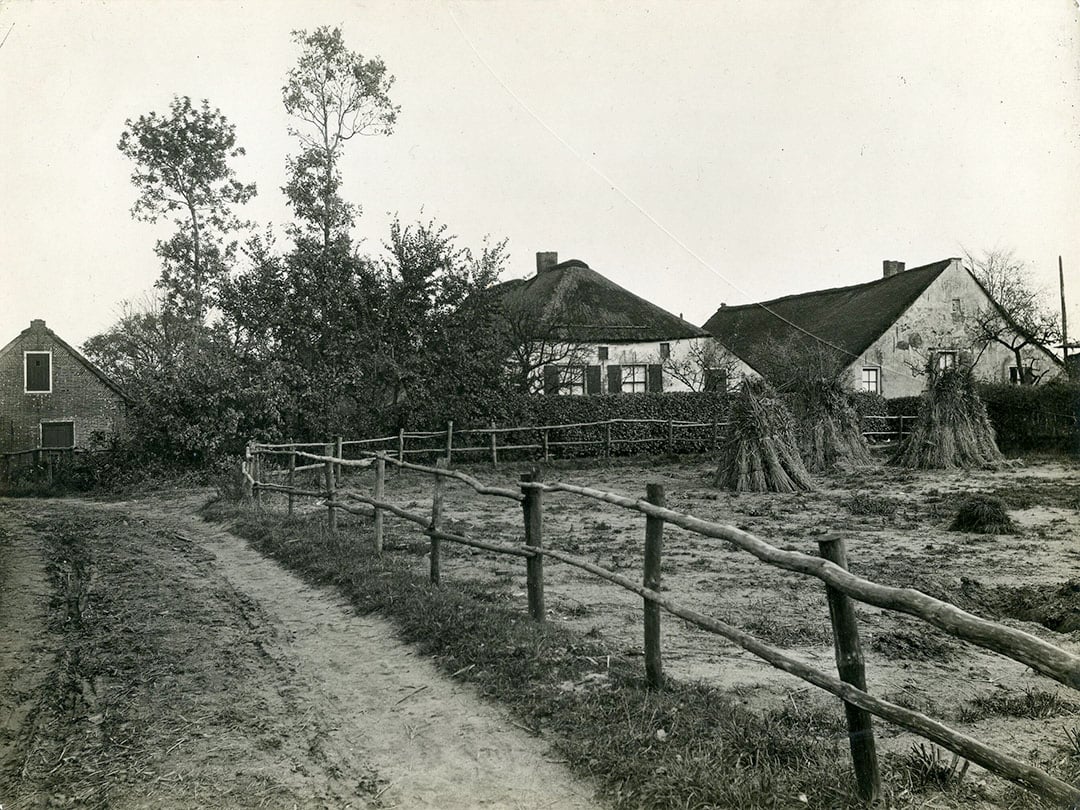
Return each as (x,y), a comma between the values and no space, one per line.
(579,332)
(887,329)
(51,397)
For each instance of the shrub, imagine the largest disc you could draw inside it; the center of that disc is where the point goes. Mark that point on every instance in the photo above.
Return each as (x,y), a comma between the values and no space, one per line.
(1035,417)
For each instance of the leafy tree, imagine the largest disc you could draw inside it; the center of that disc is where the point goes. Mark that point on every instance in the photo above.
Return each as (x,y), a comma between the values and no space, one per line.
(1018,318)
(336,94)
(183,172)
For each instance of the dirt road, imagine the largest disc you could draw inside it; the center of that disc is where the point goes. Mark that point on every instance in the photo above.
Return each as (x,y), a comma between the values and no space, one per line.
(148,659)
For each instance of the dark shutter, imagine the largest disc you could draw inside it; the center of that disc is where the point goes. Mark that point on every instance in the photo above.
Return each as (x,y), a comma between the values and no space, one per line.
(655,380)
(551,380)
(57,434)
(614,379)
(37,372)
(966,358)
(592,380)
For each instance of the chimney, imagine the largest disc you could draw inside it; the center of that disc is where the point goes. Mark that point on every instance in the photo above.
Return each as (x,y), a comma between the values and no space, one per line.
(891,268)
(723,304)
(37,324)
(546,260)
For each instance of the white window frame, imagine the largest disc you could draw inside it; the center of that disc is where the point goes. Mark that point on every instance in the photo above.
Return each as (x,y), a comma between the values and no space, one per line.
(631,384)
(26,381)
(946,358)
(41,433)
(572,380)
(877,379)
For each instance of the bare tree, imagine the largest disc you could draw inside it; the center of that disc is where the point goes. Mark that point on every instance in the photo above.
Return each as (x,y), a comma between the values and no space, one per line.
(535,340)
(707,365)
(1018,317)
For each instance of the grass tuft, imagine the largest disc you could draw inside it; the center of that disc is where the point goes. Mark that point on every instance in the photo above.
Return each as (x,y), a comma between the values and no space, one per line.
(1033,704)
(983,514)
(865,503)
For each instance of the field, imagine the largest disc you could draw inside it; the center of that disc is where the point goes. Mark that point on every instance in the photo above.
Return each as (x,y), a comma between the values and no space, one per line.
(151,658)
(896,525)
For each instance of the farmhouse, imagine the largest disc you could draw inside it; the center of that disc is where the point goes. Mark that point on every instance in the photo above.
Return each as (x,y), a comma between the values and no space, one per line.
(578,332)
(53,397)
(887,330)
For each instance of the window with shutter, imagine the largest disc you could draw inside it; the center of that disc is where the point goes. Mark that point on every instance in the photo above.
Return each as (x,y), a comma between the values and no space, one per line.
(38,378)
(592,380)
(56,435)
(614,379)
(634,379)
(656,378)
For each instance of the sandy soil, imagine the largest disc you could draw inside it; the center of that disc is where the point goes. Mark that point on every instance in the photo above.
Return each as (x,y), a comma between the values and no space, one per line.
(148,659)
(907,661)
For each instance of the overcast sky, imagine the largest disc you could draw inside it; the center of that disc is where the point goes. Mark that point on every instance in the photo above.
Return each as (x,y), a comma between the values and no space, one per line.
(695,153)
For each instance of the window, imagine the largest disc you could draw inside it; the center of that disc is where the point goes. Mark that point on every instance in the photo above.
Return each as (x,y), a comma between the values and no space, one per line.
(602,353)
(635,379)
(957,310)
(573,380)
(56,435)
(946,359)
(665,351)
(871,380)
(38,379)
(716,379)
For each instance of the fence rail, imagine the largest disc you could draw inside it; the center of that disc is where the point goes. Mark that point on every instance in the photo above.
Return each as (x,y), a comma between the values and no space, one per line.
(667,435)
(830,568)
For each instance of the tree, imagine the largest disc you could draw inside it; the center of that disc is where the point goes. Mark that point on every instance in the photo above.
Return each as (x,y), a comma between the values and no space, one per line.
(182,170)
(1018,317)
(707,366)
(533,339)
(337,94)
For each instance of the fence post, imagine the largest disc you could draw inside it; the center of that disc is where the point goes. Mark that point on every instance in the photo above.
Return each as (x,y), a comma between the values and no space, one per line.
(654,544)
(245,469)
(545,443)
(900,430)
(257,475)
(715,435)
(494,447)
(328,475)
(533,506)
(400,445)
(292,479)
(670,437)
(852,669)
(436,520)
(380,487)
(449,440)
(338,454)
(607,439)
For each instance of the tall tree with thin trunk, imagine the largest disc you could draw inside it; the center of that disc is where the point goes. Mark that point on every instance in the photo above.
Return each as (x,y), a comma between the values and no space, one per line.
(183,171)
(335,94)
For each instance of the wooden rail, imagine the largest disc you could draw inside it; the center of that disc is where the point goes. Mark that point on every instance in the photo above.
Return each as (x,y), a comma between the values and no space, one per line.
(830,568)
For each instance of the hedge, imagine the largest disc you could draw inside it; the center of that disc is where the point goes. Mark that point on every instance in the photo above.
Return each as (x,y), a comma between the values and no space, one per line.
(1035,418)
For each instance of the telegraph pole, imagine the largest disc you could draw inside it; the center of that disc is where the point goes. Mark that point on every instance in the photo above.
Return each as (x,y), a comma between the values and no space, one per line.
(1064,326)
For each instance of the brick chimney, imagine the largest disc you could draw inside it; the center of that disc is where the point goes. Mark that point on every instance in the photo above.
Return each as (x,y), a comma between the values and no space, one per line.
(891,268)
(37,324)
(546,260)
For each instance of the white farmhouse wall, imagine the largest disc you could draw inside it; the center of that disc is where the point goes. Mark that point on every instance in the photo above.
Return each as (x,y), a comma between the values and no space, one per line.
(941,319)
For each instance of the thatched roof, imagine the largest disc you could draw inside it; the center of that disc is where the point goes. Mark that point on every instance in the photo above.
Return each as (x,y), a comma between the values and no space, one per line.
(588,307)
(849,318)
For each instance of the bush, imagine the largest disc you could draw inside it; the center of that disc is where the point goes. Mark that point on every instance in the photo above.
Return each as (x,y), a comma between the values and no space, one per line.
(1032,418)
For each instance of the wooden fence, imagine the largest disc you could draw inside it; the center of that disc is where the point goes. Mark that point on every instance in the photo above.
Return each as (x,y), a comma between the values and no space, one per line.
(42,461)
(263,462)
(604,438)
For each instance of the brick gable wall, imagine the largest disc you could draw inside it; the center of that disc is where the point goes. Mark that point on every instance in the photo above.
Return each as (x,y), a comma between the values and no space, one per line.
(78,395)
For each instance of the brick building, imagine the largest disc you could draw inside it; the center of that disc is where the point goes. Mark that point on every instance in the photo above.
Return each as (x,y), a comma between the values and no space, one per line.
(53,397)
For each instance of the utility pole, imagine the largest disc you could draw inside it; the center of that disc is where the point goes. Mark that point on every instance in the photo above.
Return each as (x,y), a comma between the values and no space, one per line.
(1064,326)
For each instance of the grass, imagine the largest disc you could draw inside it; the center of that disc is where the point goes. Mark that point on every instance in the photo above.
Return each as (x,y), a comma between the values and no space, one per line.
(865,503)
(1033,704)
(924,645)
(686,746)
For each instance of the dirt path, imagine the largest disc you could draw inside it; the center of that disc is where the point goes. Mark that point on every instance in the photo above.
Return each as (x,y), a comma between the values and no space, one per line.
(178,668)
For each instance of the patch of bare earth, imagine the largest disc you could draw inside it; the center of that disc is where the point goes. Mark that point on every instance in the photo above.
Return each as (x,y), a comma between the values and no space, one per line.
(902,540)
(148,659)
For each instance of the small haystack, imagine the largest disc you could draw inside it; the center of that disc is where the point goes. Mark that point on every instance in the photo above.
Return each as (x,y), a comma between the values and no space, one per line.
(952,429)
(828,426)
(761,453)
(983,514)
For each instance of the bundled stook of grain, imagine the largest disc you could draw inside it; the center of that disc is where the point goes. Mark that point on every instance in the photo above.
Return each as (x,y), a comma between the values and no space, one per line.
(761,454)
(828,427)
(952,429)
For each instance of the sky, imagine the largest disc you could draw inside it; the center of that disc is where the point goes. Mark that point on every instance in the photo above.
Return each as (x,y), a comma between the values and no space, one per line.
(696,153)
